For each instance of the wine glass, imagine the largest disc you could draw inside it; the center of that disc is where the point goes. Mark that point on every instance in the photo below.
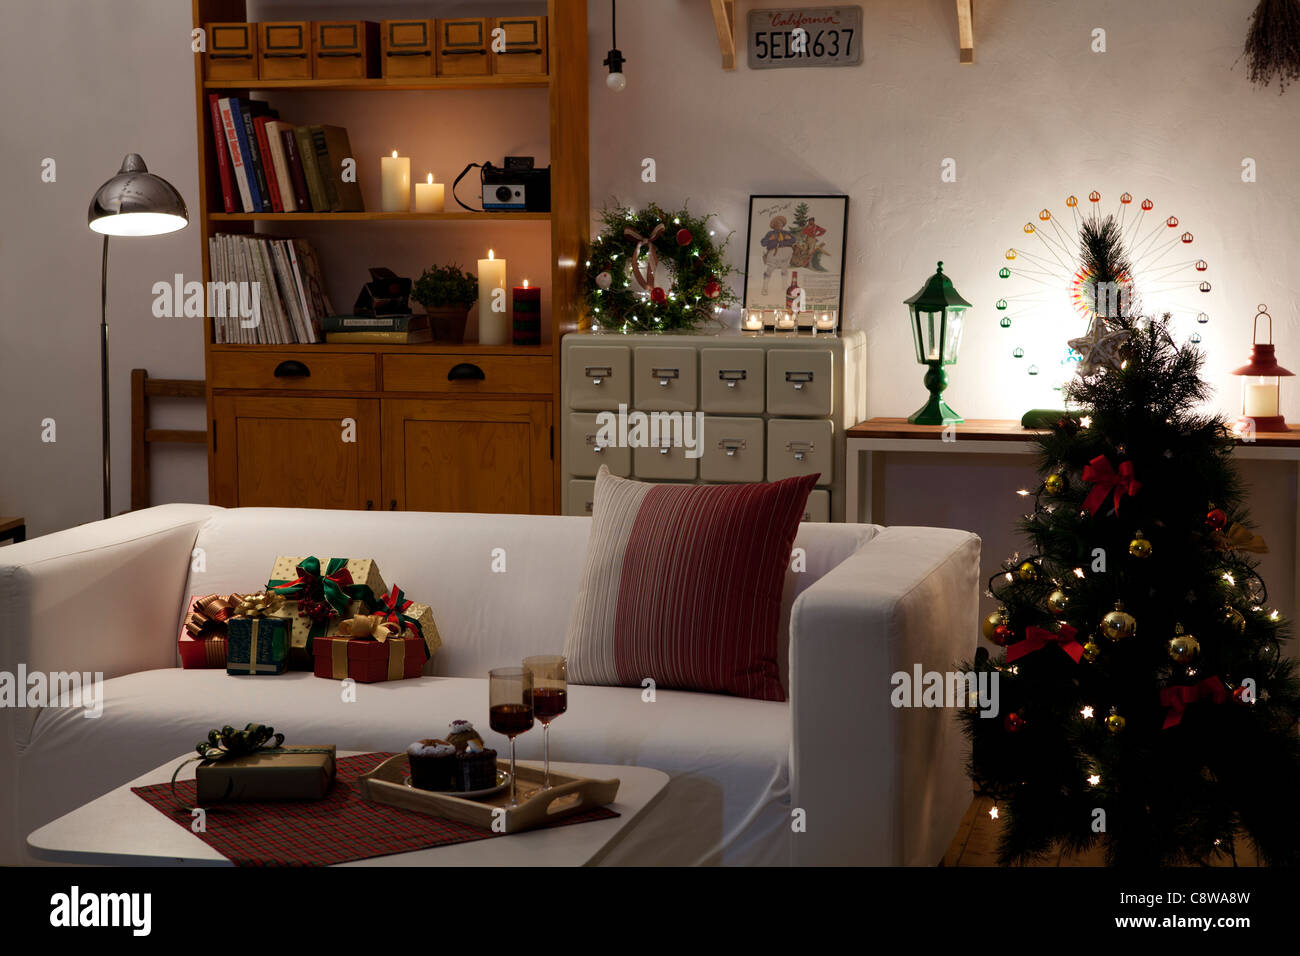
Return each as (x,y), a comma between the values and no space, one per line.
(510,711)
(550,698)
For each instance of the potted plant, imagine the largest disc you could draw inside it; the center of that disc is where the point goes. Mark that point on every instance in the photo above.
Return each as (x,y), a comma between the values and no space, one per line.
(446,292)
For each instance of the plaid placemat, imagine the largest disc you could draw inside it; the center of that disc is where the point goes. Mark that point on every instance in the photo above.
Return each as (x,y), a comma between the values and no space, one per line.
(338,829)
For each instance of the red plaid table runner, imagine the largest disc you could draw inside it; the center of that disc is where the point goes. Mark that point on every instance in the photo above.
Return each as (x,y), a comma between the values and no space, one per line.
(338,829)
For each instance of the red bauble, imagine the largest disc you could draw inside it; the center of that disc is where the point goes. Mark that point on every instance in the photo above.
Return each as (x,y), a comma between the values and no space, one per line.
(658,296)
(1013,722)
(713,288)
(1242,696)
(684,237)
(1216,520)
(1002,635)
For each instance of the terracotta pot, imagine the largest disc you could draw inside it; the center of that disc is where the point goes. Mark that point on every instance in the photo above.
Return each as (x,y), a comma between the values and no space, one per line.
(448,322)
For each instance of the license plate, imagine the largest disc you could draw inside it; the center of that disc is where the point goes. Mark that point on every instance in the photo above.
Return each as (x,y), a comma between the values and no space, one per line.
(807,36)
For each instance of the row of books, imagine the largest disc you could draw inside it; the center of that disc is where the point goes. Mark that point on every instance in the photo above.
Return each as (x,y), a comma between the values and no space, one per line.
(291,300)
(269,165)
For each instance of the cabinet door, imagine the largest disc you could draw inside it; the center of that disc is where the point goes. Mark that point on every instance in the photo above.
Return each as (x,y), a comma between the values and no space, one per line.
(296,452)
(478,456)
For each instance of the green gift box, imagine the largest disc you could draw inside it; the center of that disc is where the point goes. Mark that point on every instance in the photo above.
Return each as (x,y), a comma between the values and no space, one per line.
(257,645)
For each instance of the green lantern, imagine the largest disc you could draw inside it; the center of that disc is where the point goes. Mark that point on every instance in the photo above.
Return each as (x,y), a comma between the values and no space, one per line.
(937,312)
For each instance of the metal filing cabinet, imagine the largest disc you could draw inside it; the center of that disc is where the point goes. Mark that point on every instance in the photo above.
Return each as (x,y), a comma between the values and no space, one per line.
(771,406)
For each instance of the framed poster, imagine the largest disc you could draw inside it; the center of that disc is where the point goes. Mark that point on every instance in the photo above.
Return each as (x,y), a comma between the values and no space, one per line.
(796,243)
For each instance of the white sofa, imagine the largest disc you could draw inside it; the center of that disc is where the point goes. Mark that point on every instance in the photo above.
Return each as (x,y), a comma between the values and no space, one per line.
(877,785)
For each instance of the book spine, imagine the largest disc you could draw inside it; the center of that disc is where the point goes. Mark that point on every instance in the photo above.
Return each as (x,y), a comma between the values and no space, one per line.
(326,170)
(268,163)
(229,110)
(242,128)
(300,289)
(255,161)
(282,178)
(219,145)
(300,194)
(307,153)
(288,296)
(339,148)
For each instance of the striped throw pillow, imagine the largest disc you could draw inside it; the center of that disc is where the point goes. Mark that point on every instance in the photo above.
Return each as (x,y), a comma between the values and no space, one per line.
(682,584)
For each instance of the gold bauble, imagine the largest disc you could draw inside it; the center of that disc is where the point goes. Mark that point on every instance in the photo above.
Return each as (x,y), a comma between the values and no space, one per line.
(1115,723)
(1057,601)
(1235,619)
(1139,547)
(1091,651)
(992,622)
(1027,572)
(1184,648)
(1055,484)
(1119,624)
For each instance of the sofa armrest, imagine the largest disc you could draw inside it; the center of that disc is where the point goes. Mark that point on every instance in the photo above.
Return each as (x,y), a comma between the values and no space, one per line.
(100,597)
(881,785)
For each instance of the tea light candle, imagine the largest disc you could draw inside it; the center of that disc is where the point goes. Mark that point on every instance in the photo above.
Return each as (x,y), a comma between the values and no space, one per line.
(785,321)
(428,196)
(493,326)
(825,322)
(527,315)
(395,183)
(753,320)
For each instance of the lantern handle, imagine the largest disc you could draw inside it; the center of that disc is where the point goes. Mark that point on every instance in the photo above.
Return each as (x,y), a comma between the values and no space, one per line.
(1254,332)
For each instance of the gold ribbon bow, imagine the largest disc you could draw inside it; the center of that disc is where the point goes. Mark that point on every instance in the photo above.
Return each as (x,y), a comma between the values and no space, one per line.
(1240,538)
(261,604)
(646,281)
(368,625)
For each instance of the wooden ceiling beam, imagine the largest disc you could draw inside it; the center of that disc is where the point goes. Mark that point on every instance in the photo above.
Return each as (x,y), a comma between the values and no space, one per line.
(724,20)
(965,34)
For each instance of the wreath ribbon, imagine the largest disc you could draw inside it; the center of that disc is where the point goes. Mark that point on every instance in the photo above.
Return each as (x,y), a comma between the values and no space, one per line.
(646,281)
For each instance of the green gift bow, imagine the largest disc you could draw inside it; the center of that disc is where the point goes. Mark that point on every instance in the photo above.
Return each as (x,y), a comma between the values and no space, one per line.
(336,584)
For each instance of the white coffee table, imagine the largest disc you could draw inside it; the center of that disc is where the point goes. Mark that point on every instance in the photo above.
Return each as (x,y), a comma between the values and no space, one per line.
(121,829)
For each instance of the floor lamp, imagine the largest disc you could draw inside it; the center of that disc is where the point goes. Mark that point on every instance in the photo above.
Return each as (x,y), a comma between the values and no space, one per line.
(135,202)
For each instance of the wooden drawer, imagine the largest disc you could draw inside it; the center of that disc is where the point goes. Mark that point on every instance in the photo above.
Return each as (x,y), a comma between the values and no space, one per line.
(581,495)
(584,453)
(731,381)
(665,463)
(284,49)
(819,506)
(800,382)
(524,39)
(232,51)
(463,47)
(345,49)
(733,449)
(406,47)
(665,379)
(505,374)
(799,447)
(294,371)
(598,377)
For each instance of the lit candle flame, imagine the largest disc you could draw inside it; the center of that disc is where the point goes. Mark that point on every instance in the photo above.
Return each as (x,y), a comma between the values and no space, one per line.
(394,154)
(491,254)
(525,283)
(430,179)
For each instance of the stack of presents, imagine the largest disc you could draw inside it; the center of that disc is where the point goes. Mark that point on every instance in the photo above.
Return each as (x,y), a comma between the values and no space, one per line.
(337,618)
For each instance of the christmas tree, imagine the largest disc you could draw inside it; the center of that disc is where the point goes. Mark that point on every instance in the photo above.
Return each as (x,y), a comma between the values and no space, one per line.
(1144,705)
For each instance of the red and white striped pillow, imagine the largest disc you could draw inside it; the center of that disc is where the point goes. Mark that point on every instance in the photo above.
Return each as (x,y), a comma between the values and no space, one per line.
(682,584)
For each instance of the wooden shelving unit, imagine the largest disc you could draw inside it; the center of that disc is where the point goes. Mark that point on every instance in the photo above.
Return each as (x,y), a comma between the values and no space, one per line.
(425,438)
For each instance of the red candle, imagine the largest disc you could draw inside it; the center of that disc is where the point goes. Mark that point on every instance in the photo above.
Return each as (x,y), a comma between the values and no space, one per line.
(527,315)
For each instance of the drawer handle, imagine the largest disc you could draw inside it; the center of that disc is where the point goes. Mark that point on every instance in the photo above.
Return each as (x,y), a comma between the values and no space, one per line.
(323,54)
(800,449)
(593,440)
(392,505)
(519,52)
(731,446)
(465,372)
(284,56)
(292,368)
(587,507)
(665,375)
(464,53)
(409,53)
(598,373)
(230,56)
(370,504)
(799,379)
(732,375)
(664,450)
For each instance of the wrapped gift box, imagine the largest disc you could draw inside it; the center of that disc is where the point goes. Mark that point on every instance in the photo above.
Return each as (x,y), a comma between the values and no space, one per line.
(257,645)
(368,659)
(202,641)
(397,610)
(359,581)
(280,773)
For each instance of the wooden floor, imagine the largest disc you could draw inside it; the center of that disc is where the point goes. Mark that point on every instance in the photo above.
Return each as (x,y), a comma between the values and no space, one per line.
(976,844)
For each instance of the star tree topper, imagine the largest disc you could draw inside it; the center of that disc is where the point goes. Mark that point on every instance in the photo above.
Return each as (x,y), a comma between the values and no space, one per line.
(1099,347)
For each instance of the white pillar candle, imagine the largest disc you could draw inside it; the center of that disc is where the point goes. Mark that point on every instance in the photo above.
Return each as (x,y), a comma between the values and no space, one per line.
(826,321)
(395,183)
(785,321)
(428,196)
(493,323)
(1261,401)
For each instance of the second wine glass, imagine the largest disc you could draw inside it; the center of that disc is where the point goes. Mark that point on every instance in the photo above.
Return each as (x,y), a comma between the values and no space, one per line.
(550,698)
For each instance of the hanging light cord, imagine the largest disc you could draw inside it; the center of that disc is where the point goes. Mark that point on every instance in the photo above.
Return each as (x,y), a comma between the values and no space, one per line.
(613,23)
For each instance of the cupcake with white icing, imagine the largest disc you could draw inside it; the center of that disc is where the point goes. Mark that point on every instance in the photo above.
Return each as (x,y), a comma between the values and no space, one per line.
(433,765)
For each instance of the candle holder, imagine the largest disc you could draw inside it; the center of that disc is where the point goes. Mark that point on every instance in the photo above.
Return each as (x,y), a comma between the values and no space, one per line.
(1261,384)
(785,322)
(825,322)
(753,321)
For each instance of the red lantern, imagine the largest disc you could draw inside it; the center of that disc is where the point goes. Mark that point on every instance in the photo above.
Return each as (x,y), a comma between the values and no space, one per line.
(1126,198)
(1094,196)
(1261,383)
(1172,222)
(1187,238)
(1072,201)
(1201,265)
(1147,205)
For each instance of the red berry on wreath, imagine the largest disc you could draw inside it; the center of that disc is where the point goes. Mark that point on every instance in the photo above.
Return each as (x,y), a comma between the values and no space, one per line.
(1014,723)
(713,288)
(684,237)
(658,296)
(1216,520)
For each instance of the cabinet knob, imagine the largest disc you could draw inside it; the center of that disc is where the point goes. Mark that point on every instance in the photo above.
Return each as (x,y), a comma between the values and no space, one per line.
(370,505)
(392,505)
(291,368)
(465,372)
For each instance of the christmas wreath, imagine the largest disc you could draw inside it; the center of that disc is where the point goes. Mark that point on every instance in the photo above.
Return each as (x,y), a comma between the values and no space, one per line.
(655,271)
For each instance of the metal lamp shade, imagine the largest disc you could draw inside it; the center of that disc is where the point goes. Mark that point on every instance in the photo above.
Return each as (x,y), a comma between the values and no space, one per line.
(135,202)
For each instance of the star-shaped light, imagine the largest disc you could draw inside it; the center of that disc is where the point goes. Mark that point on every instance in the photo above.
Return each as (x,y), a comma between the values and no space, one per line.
(1099,347)
(1087,712)
(993,813)
(1094,779)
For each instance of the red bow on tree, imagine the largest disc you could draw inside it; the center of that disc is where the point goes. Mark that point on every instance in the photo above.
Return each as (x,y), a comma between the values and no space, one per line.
(1039,637)
(1177,698)
(1103,477)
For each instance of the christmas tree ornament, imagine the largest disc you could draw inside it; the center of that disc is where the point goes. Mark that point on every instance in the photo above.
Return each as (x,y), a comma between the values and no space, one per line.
(1240,538)
(1002,635)
(684,237)
(1055,484)
(1027,572)
(1114,722)
(992,622)
(713,288)
(1091,651)
(1014,723)
(1107,481)
(1216,520)
(1100,348)
(1057,602)
(1235,620)
(658,296)
(1139,547)
(604,280)
(1118,624)
(1183,648)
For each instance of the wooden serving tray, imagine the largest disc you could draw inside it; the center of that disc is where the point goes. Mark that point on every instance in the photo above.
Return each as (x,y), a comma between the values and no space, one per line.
(568,795)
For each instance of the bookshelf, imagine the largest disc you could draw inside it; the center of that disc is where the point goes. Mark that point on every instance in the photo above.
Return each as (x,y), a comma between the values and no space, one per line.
(423,438)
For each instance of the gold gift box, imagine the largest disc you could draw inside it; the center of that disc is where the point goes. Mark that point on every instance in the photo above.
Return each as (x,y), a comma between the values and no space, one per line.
(363,570)
(283,773)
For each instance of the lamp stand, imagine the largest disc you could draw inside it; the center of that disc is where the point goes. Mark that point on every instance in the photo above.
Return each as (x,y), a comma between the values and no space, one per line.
(103,372)
(936,410)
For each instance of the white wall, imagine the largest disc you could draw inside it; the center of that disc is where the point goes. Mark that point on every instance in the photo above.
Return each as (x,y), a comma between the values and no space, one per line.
(1163,114)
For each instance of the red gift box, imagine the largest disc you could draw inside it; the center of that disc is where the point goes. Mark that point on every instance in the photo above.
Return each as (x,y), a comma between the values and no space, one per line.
(367,660)
(202,641)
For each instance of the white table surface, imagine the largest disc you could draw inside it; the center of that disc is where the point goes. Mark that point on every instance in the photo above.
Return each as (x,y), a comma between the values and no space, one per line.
(121,829)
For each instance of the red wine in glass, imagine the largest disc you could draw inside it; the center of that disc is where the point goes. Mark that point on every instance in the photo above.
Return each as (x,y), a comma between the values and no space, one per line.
(510,719)
(549,703)
(548,696)
(510,712)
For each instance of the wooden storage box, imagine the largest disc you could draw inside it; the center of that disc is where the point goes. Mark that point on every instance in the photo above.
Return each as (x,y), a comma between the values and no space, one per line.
(232,51)
(463,47)
(525,42)
(285,50)
(345,49)
(407,47)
